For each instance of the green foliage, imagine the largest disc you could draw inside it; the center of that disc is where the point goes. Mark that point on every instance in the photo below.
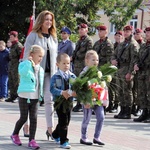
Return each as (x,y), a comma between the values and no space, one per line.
(60,101)
(71,13)
(120,12)
(81,85)
(15,14)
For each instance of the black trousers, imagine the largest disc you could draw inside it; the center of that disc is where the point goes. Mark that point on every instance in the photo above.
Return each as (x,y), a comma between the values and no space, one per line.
(26,108)
(61,129)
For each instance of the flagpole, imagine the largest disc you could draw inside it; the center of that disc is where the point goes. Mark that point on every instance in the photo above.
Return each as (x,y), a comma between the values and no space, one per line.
(34,7)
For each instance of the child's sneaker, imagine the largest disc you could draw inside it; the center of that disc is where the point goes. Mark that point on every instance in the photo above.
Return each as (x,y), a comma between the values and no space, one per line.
(16,140)
(57,140)
(33,145)
(65,145)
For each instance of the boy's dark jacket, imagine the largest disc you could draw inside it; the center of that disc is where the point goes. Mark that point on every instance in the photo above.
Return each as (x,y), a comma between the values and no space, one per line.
(4,60)
(57,83)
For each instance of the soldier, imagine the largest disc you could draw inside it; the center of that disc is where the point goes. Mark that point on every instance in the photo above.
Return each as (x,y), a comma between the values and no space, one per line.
(143,68)
(138,36)
(118,39)
(82,46)
(135,107)
(125,57)
(14,56)
(104,48)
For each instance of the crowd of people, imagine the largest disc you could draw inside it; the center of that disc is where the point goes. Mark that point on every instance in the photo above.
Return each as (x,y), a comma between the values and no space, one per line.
(43,75)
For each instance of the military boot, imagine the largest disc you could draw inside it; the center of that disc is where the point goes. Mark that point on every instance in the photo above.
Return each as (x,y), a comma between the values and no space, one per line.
(147,120)
(142,117)
(126,114)
(110,107)
(133,110)
(115,109)
(10,99)
(78,107)
(120,113)
(138,111)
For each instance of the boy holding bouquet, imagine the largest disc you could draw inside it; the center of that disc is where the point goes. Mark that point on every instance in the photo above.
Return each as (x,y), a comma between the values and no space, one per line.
(63,98)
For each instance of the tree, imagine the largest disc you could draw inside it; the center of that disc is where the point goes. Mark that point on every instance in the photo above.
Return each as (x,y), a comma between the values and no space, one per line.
(14,16)
(120,12)
(71,12)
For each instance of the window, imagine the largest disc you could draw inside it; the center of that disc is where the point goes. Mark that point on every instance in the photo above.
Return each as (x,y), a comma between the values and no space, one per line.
(112,28)
(133,21)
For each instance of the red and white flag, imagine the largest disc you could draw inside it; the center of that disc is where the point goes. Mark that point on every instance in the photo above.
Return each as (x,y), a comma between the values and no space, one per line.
(32,19)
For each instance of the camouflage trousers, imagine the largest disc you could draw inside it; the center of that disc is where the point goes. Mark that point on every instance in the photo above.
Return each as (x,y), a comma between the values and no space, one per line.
(113,93)
(144,91)
(124,88)
(13,81)
(135,90)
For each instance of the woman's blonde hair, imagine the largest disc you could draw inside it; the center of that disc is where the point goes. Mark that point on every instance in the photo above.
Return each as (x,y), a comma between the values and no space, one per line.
(39,22)
(90,53)
(35,49)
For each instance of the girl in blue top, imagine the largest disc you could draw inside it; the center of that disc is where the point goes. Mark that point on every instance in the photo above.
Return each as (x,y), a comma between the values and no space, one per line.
(30,90)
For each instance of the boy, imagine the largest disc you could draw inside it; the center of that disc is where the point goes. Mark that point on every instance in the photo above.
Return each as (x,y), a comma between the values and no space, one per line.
(4,60)
(60,87)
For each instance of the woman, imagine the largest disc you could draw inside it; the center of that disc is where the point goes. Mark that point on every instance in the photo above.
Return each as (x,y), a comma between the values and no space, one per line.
(44,34)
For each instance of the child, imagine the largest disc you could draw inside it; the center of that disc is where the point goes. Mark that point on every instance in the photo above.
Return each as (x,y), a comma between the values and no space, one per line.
(30,90)
(59,85)
(4,60)
(91,59)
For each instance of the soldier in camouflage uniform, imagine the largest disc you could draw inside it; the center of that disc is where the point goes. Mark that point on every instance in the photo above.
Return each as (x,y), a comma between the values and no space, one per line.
(143,69)
(14,56)
(125,57)
(138,36)
(118,39)
(136,111)
(82,46)
(104,48)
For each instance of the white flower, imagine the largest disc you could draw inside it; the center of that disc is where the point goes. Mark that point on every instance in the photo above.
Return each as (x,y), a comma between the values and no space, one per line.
(113,67)
(99,74)
(103,84)
(109,78)
(89,83)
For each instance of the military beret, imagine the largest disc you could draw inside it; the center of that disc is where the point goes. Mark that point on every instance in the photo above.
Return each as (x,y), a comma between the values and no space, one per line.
(66,29)
(101,27)
(119,32)
(15,33)
(138,30)
(82,25)
(147,29)
(129,27)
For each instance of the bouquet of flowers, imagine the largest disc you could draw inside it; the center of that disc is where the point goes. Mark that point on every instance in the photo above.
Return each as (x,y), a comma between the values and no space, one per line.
(92,86)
